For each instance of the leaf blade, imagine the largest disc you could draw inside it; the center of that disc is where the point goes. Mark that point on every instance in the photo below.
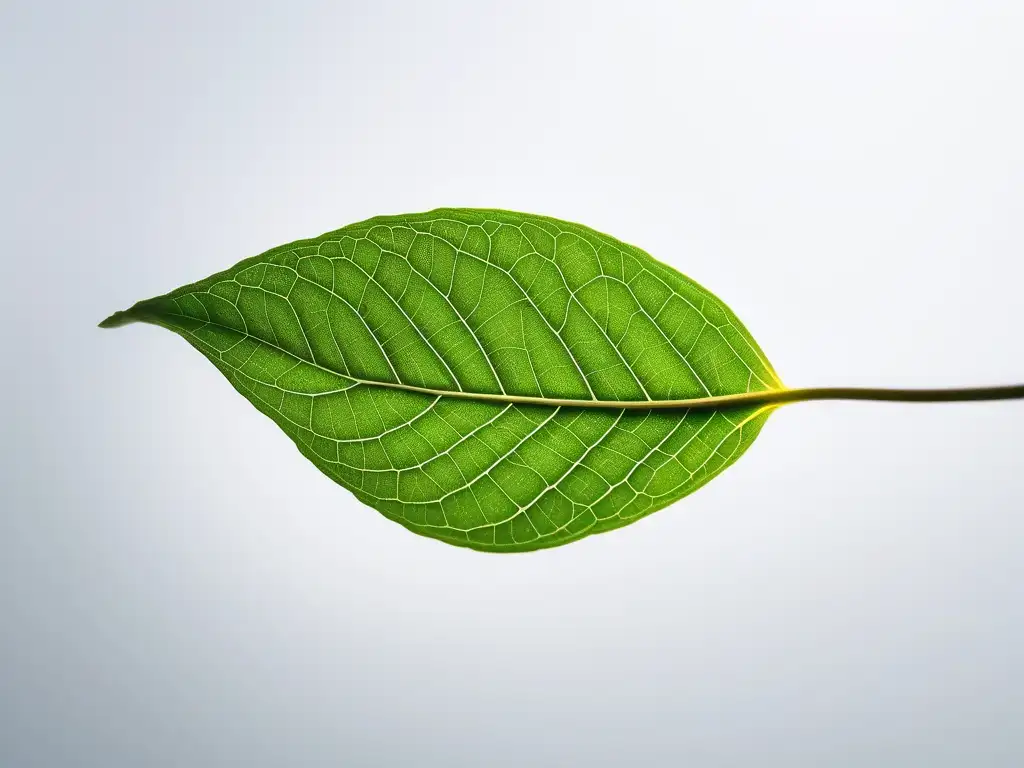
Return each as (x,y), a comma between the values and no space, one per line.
(490,302)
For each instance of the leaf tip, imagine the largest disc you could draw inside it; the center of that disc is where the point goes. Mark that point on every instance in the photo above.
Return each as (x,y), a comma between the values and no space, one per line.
(118,319)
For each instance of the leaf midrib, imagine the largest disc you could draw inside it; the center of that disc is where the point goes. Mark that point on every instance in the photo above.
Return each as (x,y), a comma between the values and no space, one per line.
(714,401)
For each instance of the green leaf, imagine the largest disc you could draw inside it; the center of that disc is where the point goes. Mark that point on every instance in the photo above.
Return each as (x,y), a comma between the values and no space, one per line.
(492,379)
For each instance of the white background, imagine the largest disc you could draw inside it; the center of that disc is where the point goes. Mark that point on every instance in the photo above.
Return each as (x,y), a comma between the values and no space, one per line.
(179,587)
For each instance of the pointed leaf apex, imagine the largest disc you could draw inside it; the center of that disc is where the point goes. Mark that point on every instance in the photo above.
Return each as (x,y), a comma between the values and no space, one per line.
(118,319)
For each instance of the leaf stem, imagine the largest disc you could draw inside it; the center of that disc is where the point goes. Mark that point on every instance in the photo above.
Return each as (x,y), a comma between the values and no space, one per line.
(878,394)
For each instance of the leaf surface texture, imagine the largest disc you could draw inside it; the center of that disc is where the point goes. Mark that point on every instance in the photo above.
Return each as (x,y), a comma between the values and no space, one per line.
(331,337)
